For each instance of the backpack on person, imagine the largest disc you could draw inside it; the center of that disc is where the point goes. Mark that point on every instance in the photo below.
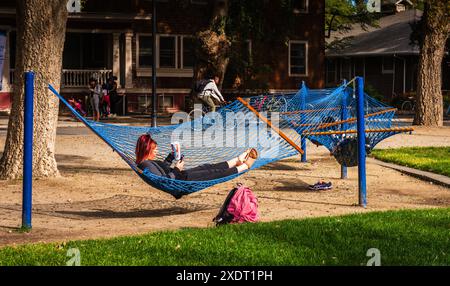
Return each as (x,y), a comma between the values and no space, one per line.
(200,85)
(241,205)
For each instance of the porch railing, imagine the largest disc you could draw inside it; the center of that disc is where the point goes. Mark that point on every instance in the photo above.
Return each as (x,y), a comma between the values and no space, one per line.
(80,78)
(76,78)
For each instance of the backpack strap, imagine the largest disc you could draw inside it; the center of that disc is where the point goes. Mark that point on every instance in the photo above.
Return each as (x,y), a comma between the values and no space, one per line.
(223,216)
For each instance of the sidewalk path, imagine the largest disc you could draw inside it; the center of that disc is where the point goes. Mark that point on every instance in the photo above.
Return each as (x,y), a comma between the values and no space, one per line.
(428,176)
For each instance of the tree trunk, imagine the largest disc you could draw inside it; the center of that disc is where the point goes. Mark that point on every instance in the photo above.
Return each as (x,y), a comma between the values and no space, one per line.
(41,28)
(213,46)
(429,106)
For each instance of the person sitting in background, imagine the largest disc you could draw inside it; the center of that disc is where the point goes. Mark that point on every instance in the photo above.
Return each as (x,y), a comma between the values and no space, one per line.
(76,104)
(147,150)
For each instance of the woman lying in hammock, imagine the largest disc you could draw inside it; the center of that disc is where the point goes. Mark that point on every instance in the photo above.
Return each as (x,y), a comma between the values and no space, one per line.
(147,149)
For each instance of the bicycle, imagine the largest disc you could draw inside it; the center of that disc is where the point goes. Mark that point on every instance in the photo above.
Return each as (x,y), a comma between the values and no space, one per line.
(409,104)
(276,103)
(203,118)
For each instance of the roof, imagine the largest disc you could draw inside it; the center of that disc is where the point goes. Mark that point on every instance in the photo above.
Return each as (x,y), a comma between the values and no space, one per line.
(391,37)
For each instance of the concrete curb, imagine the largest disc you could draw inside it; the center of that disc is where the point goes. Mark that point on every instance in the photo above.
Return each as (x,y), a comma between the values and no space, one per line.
(427,176)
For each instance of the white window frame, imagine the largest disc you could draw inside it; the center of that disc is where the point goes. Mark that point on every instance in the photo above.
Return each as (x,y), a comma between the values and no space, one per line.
(162,97)
(386,71)
(306,9)
(182,51)
(158,39)
(306,57)
(138,67)
(163,72)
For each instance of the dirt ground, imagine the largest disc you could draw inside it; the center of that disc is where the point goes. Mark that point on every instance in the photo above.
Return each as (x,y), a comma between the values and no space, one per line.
(99,196)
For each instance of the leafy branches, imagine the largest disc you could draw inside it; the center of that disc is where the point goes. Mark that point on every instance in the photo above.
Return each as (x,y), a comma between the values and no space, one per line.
(342,15)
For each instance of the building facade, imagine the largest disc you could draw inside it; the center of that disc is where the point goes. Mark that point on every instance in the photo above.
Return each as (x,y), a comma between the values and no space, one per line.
(115,38)
(385,56)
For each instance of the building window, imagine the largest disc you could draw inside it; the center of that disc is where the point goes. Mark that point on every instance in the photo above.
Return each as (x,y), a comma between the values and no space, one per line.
(175,55)
(298,54)
(387,65)
(188,54)
(144,103)
(300,6)
(346,69)
(165,101)
(144,51)
(167,52)
(331,71)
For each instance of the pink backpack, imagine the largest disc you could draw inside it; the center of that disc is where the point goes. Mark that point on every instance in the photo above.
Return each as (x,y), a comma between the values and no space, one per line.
(241,205)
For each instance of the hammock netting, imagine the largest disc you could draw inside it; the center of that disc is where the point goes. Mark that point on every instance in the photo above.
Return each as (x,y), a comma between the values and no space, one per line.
(325,116)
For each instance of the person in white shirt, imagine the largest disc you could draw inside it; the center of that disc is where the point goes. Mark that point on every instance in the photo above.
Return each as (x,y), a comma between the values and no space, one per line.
(210,93)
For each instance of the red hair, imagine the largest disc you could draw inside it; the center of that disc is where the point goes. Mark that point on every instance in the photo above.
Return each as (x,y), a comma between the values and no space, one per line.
(144,147)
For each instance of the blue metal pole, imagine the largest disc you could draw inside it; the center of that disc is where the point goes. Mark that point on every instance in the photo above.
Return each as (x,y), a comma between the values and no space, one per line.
(344,116)
(303,118)
(28,150)
(361,142)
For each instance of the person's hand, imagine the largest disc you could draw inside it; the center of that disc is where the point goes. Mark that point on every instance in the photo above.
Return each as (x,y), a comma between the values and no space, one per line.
(179,165)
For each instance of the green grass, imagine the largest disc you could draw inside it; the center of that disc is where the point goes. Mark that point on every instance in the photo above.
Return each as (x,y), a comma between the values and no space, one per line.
(407,237)
(432,159)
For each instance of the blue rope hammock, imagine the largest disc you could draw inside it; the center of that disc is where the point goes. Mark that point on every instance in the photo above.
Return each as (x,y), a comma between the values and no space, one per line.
(207,139)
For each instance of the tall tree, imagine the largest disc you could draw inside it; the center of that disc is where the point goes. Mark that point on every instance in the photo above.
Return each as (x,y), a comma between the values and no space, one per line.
(232,24)
(213,44)
(341,15)
(41,28)
(434,32)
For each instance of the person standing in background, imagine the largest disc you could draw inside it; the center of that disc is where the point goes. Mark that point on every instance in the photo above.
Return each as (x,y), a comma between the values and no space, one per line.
(95,96)
(113,96)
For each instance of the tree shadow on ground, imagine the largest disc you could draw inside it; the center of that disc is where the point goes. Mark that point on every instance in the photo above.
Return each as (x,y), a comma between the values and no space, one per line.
(297,186)
(307,201)
(76,169)
(66,158)
(109,214)
(280,166)
(294,185)
(117,206)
